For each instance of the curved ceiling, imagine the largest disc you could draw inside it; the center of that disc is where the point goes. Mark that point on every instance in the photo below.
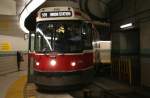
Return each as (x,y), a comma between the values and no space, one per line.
(97,9)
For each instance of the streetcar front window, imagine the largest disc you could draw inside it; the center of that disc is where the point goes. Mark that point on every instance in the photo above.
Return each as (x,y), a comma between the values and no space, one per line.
(62,36)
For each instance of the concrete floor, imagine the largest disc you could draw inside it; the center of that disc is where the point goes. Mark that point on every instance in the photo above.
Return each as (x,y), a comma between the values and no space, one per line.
(41,95)
(111,86)
(7,80)
(9,90)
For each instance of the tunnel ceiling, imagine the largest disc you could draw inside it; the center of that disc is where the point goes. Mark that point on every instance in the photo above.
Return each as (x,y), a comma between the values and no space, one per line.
(97,9)
(88,6)
(9,21)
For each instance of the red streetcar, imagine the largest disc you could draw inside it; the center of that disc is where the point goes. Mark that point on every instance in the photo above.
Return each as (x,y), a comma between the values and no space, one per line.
(61,50)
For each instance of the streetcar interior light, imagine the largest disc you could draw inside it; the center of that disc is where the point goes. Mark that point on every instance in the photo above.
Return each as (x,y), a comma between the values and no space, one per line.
(83,33)
(56,38)
(73,64)
(34,4)
(33,35)
(53,62)
(126,25)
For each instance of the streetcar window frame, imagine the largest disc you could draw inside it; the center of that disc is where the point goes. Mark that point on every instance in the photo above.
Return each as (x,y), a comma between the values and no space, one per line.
(32,42)
(84,25)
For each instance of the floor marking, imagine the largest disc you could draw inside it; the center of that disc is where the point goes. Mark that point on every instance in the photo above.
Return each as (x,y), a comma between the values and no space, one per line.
(32,97)
(30,90)
(17,88)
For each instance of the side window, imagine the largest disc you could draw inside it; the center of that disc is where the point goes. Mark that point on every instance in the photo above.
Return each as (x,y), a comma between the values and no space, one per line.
(87,35)
(38,42)
(104,32)
(96,36)
(32,41)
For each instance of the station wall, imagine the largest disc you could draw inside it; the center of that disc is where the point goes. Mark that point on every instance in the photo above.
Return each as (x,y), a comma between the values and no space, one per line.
(11,37)
(11,40)
(8,47)
(8,62)
(12,43)
(137,12)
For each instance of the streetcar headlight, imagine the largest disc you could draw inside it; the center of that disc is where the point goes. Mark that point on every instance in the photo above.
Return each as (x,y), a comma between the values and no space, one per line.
(53,62)
(73,64)
(37,63)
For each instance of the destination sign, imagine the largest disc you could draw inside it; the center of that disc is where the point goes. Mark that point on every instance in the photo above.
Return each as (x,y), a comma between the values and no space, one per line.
(56,14)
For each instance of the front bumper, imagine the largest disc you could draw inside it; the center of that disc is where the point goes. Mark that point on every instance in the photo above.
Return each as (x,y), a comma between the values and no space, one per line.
(59,79)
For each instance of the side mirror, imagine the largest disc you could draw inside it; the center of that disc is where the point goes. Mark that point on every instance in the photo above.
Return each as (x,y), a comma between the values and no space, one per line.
(89,25)
(26,36)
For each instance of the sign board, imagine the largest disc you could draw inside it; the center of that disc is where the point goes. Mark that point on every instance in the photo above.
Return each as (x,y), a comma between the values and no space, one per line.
(56,14)
(5,46)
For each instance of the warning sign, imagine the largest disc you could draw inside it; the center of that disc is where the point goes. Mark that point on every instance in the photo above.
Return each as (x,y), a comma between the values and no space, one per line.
(5,46)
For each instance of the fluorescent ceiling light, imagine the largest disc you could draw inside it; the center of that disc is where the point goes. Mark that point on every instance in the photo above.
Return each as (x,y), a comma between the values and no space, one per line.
(34,4)
(126,25)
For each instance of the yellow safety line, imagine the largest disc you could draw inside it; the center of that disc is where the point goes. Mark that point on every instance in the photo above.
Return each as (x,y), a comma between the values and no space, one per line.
(17,88)
(32,97)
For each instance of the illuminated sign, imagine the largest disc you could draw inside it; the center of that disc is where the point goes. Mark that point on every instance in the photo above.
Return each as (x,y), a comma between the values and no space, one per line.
(5,46)
(56,14)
